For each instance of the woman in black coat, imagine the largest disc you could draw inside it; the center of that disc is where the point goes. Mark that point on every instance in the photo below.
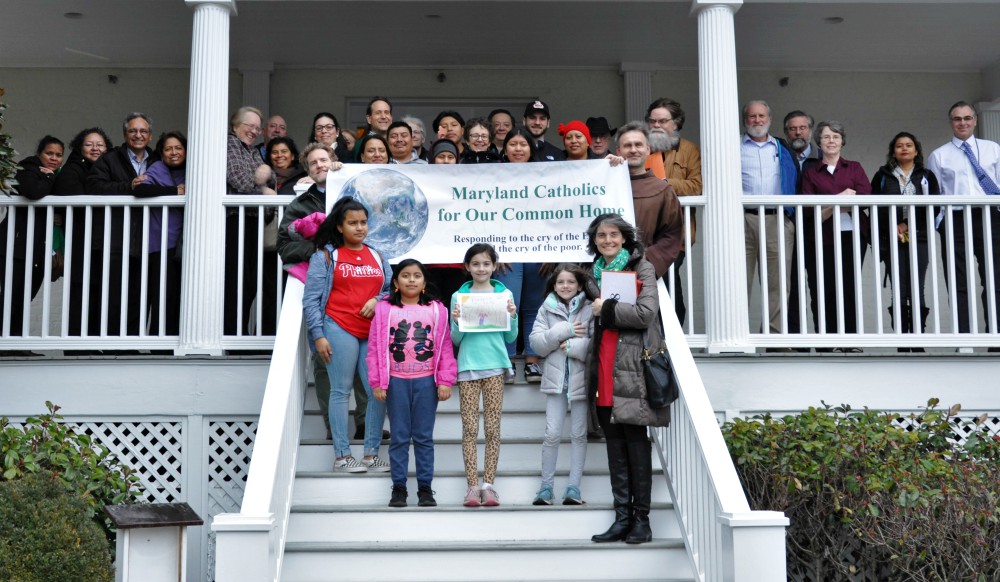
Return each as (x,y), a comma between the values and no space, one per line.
(615,382)
(34,181)
(85,149)
(904,174)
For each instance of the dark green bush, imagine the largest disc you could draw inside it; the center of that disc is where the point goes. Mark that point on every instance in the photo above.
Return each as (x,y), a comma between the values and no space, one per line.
(47,534)
(47,445)
(869,499)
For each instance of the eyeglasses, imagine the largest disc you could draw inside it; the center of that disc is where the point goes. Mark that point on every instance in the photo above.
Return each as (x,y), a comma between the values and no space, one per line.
(656,122)
(253,128)
(797,128)
(966,119)
(327,127)
(479,136)
(138,132)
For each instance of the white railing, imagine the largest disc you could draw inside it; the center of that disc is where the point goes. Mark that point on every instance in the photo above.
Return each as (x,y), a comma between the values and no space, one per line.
(725,540)
(250,544)
(858,273)
(114,293)
(118,302)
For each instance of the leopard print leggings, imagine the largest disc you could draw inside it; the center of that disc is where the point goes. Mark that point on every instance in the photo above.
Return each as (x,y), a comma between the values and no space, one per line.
(492,393)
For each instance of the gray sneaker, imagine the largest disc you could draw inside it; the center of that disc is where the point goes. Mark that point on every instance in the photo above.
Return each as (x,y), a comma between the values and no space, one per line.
(349,465)
(375,465)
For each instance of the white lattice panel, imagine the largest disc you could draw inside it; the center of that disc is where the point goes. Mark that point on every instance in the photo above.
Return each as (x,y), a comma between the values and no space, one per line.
(961,426)
(230,445)
(152,449)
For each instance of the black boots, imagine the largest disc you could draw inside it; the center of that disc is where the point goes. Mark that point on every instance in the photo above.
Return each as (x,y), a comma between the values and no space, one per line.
(640,465)
(618,465)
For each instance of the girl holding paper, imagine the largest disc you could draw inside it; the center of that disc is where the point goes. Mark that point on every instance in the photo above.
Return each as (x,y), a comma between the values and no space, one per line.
(482,366)
(615,376)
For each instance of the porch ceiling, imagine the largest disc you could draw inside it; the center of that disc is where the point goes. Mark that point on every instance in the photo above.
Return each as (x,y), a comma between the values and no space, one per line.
(889,35)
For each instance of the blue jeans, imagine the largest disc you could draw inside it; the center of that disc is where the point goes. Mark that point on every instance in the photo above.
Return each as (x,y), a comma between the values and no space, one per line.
(527,286)
(349,356)
(412,405)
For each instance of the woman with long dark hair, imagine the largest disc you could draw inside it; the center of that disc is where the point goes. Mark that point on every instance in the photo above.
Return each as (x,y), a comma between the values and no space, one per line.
(904,174)
(85,149)
(165,177)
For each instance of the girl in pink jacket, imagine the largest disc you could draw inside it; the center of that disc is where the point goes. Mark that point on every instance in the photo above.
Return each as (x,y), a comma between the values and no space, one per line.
(411,365)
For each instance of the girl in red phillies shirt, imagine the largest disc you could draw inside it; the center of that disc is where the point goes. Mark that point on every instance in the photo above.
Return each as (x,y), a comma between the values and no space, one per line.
(346,279)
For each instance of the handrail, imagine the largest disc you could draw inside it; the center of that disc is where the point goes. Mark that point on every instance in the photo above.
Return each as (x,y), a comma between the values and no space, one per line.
(250,544)
(703,481)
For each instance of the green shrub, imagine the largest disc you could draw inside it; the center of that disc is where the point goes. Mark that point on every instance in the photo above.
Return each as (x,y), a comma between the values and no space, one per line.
(86,468)
(869,500)
(46,534)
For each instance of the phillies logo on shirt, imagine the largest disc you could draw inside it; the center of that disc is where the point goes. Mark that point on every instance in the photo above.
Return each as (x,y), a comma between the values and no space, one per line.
(358,271)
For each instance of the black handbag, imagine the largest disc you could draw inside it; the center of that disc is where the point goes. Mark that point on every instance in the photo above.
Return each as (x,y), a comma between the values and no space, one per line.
(661,386)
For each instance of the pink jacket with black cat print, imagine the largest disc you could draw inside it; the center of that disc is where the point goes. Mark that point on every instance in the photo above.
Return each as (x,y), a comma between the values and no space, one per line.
(445,366)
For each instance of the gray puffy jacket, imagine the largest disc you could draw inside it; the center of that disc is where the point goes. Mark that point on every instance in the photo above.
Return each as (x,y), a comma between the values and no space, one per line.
(554,325)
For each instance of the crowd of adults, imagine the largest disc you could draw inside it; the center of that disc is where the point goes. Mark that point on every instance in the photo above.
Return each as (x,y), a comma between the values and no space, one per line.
(263,159)
(809,161)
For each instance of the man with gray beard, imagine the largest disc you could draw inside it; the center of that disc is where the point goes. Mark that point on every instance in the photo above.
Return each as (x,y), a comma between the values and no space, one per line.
(678,161)
(798,138)
(768,168)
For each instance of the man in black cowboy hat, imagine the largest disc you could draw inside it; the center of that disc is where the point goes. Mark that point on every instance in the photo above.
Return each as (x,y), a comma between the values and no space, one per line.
(600,136)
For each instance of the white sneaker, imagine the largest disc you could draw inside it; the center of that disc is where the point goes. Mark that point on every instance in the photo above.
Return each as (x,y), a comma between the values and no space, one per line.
(349,465)
(376,465)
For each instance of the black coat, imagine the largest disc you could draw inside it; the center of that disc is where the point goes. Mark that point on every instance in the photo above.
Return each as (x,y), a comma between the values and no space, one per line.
(112,175)
(34,184)
(884,182)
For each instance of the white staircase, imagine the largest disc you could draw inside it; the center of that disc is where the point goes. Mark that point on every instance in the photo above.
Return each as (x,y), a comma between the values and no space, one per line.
(341,528)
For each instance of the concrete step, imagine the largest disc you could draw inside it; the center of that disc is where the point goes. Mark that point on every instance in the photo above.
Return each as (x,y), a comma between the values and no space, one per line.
(555,559)
(520,396)
(448,424)
(379,523)
(514,487)
(522,455)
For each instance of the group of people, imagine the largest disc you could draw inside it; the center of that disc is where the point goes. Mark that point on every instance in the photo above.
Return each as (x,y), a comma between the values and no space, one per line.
(100,253)
(809,161)
(389,326)
(395,330)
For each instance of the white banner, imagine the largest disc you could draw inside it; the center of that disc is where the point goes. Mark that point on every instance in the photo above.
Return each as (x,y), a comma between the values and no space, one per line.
(536,212)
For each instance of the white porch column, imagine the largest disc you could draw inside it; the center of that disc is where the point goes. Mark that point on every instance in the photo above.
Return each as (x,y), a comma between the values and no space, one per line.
(208,100)
(257,87)
(989,120)
(638,89)
(726,319)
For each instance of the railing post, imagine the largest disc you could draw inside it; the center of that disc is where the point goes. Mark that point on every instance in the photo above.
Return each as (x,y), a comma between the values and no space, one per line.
(201,294)
(727,321)
(243,548)
(754,546)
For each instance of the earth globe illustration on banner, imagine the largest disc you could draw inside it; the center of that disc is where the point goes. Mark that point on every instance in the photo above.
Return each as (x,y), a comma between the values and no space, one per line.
(397,210)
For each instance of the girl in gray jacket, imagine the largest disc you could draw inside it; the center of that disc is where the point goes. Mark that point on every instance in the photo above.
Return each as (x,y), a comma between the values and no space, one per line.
(561,334)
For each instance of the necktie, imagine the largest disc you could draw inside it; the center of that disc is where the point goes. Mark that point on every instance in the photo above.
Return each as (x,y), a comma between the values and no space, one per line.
(988,185)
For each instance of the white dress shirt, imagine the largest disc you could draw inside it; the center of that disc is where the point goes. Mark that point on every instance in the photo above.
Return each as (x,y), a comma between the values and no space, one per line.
(954,170)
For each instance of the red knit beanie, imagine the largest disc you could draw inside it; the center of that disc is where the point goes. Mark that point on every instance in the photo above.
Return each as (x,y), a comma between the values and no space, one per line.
(575,125)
